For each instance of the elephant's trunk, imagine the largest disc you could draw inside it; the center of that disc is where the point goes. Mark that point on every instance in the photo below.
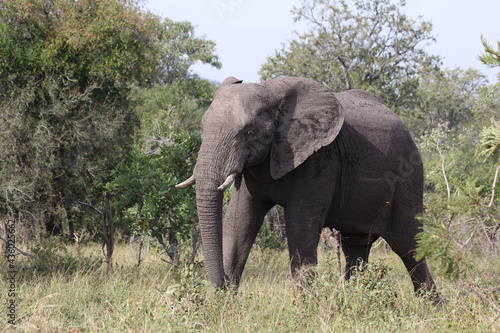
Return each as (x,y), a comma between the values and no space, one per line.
(209,202)
(209,174)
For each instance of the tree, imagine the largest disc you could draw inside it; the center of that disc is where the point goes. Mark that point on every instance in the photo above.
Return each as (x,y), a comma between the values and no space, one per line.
(181,49)
(163,154)
(489,100)
(367,44)
(67,69)
(82,42)
(64,76)
(145,197)
(179,104)
(449,96)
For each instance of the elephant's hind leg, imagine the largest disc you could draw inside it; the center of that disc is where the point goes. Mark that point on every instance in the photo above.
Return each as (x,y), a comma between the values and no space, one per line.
(356,248)
(402,241)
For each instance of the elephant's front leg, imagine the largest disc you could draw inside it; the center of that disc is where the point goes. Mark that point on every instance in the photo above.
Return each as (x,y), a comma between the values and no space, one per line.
(242,222)
(303,231)
(305,217)
(308,202)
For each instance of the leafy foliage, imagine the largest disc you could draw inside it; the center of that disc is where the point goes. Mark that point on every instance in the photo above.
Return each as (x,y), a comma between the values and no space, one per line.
(67,70)
(181,49)
(272,233)
(490,57)
(456,219)
(51,255)
(145,197)
(56,150)
(449,157)
(63,84)
(179,105)
(268,239)
(490,140)
(110,42)
(435,244)
(446,96)
(364,44)
(164,154)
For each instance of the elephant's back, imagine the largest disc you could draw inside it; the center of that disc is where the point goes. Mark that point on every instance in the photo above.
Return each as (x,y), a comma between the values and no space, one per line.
(373,122)
(365,110)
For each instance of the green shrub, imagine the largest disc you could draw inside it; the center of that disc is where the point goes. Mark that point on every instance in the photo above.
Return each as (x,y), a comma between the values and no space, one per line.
(441,251)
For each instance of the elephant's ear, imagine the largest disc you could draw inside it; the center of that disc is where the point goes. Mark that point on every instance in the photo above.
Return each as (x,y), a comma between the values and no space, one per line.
(309,118)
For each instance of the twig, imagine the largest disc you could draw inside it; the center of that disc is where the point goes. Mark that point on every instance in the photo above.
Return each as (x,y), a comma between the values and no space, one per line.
(486,234)
(297,284)
(338,241)
(483,296)
(172,239)
(20,252)
(495,231)
(443,168)
(463,222)
(202,325)
(196,245)
(168,262)
(469,239)
(141,242)
(165,247)
(492,190)
(89,205)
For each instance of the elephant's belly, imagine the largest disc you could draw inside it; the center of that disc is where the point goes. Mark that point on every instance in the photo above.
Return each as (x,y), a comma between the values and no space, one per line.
(362,209)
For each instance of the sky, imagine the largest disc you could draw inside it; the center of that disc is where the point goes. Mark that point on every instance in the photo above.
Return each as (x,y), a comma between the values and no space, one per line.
(248,31)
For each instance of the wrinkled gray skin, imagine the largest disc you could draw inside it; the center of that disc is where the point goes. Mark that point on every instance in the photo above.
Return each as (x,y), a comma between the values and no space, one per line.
(340,160)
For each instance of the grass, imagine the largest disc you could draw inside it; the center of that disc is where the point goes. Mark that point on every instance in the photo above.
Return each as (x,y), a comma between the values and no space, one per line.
(160,298)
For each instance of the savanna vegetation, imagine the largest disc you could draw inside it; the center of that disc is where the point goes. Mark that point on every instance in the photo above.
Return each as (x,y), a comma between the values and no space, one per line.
(99,119)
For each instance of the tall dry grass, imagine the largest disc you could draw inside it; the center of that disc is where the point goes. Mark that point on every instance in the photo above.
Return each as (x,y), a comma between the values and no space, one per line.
(157,297)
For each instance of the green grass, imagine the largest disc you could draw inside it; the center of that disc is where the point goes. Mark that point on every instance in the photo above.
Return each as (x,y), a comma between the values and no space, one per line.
(158,298)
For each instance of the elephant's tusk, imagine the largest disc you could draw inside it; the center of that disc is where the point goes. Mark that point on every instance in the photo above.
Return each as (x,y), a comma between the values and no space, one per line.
(229,180)
(190,181)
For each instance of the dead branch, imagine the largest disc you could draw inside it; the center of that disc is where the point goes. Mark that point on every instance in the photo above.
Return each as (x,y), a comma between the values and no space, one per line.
(492,190)
(141,242)
(483,297)
(336,234)
(165,246)
(16,248)
(196,245)
(171,263)
(468,239)
(89,205)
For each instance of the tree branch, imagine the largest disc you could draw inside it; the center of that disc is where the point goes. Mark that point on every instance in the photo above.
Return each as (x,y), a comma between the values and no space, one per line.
(492,190)
(20,252)
(483,297)
(168,262)
(89,205)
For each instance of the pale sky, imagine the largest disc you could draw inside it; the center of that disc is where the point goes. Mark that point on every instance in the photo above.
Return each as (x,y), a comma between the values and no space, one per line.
(247,31)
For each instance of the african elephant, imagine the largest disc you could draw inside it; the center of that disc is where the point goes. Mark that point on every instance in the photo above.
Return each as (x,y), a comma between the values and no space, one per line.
(340,160)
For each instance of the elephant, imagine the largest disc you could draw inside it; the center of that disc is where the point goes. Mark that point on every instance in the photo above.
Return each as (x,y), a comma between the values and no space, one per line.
(338,160)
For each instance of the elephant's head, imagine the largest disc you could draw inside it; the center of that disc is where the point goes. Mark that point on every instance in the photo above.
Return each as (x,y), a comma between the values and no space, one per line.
(286,118)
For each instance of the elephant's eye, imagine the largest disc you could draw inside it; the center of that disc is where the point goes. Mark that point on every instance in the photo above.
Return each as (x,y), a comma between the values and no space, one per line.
(250,132)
